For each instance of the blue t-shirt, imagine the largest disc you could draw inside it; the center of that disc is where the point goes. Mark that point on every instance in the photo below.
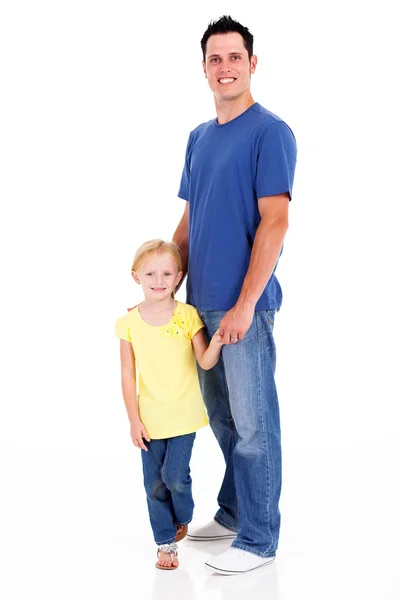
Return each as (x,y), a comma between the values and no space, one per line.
(227,168)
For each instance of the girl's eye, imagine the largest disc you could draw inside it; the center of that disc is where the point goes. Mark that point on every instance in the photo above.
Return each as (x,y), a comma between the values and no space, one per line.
(167,274)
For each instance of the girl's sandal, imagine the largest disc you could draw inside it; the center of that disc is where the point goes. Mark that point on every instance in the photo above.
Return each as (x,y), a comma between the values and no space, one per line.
(181,534)
(172,550)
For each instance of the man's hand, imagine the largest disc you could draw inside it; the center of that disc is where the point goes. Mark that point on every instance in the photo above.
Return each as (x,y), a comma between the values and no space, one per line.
(235,324)
(138,432)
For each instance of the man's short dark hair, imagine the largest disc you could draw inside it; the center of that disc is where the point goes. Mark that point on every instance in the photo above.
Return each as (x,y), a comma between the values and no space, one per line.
(227,25)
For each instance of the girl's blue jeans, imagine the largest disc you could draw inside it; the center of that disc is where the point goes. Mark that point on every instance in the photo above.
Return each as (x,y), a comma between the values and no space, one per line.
(168,485)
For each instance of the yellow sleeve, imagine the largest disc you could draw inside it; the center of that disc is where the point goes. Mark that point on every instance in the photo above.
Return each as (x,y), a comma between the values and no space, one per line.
(195,322)
(122,330)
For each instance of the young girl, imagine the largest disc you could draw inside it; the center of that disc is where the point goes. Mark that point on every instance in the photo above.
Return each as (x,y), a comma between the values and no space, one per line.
(161,336)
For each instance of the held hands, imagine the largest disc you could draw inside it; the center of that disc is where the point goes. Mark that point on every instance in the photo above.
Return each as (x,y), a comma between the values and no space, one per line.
(235,324)
(216,339)
(138,432)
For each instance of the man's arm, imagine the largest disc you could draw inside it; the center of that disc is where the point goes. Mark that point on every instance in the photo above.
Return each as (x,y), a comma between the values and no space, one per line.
(181,238)
(267,245)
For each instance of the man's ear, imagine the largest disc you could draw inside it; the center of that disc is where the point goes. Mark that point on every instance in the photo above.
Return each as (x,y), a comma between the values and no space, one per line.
(253,64)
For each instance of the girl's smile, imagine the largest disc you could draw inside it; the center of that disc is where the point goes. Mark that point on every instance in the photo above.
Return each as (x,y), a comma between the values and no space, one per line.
(158,276)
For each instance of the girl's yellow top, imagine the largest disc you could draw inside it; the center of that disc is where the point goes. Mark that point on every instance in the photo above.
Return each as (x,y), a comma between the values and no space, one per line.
(170,400)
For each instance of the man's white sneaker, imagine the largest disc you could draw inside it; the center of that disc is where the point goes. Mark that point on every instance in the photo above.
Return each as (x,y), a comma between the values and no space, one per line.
(210,532)
(234,562)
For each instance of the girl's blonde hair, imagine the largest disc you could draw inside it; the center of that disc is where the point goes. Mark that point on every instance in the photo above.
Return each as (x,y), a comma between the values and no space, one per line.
(158,247)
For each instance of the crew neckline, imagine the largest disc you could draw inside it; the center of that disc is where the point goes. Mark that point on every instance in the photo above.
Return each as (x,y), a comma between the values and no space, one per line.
(216,124)
(158,326)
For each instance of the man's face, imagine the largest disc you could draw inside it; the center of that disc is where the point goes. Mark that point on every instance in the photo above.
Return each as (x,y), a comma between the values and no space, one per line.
(227,66)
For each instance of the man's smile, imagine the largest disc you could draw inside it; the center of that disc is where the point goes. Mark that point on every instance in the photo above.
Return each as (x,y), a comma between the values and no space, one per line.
(226,80)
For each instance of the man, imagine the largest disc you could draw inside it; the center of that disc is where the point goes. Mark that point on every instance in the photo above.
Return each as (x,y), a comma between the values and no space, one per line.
(237,181)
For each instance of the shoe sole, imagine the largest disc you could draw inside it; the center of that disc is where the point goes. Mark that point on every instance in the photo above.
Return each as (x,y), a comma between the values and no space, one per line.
(226,572)
(166,568)
(214,538)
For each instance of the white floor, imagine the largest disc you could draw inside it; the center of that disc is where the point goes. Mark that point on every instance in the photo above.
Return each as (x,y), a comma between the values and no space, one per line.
(75,525)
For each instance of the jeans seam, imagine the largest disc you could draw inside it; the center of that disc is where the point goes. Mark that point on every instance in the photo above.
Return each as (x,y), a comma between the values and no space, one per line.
(264,419)
(164,465)
(233,430)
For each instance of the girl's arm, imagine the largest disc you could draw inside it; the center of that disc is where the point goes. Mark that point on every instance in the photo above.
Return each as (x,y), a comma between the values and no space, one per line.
(207,354)
(128,381)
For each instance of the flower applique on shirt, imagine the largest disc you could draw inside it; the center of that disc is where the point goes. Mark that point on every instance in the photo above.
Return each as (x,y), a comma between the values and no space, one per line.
(178,325)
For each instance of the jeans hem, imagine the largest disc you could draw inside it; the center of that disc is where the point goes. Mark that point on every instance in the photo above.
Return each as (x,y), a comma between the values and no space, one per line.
(224,525)
(168,541)
(186,522)
(252,551)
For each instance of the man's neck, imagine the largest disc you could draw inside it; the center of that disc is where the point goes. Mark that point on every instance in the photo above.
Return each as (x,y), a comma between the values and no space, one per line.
(229,110)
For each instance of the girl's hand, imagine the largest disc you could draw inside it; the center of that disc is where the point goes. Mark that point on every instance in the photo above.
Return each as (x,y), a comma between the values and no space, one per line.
(138,432)
(216,339)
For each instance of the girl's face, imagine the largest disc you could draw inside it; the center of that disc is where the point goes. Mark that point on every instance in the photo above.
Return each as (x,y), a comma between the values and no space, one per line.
(158,276)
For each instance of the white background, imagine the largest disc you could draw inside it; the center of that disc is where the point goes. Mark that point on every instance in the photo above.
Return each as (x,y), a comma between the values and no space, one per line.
(97,101)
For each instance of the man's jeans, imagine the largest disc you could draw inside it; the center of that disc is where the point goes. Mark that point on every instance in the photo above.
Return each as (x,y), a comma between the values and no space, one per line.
(242,405)
(168,485)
